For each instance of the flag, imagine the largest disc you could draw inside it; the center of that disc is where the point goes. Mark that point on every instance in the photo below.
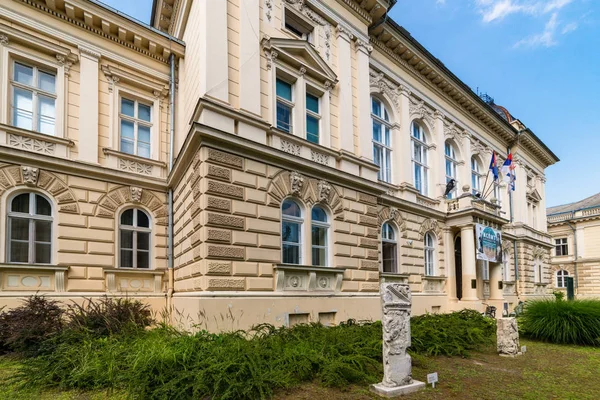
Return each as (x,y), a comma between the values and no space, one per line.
(507,169)
(513,178)
(494,166)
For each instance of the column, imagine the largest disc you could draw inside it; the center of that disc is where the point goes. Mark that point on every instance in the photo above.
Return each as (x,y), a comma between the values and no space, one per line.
(299,112)
(88,110)
(465,171)
(249,56)
(495,277)
(363,49)
(469,265)
(402,154)
(543,222)
(450,267)
(345,124)
(214,71)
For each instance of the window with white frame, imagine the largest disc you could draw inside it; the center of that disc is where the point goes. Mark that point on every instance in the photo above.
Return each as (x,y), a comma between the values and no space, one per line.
(429,254)
(505,267)
(313,118)
(29,227)
(291,232)
(561,278)
(561,247)
(134,239)
(33,101)
(135,127)
(319,236)
(382,141)
(451,165)
(419,158)
(476,176)
(298,26)
(537,270)
(389,248)
(285,105)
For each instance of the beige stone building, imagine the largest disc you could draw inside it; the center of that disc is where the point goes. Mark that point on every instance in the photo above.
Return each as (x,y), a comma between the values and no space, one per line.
(301,147)
(575,231)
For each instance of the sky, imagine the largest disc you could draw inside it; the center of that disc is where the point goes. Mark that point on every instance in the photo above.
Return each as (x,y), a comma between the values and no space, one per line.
(538,58)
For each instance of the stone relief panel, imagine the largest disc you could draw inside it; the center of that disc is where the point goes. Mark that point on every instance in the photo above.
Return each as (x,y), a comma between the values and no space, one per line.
(393,214)
(108,204)
(26,143)
(434,226)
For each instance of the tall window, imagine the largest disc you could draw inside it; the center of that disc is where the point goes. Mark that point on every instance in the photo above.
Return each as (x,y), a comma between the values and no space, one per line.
(389,248)
(33,98)
(419,159)
(451,164)
(136,123)
(291,233)
(134,232)
(312,118)
(319,234)
(561,247)
(561,278)
(29,229)
(429,254)
(537,270)
(505,267)
(476,176)
(382,145)
(284,105)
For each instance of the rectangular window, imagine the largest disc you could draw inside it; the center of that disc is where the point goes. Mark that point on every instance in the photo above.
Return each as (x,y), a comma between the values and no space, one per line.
(284,105)
(290,235)
(389,257)
(33,98)
(561,247)
(135,125)
(319,246)
(312,118)
(298,26)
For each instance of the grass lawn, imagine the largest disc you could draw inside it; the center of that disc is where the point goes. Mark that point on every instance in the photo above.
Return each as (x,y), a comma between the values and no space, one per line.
(546,371)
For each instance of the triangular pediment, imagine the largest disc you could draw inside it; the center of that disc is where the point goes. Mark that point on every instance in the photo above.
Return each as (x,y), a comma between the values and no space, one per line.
(534,195)
(300,54)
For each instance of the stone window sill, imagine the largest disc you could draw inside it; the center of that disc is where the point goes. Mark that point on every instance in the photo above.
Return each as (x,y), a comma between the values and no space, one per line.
(45,267)
(434,278)
(131,157)
(308,278)
(46,278)
(133,271)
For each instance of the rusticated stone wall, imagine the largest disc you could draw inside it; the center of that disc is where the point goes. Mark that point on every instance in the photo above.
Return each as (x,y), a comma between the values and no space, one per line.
(228,225)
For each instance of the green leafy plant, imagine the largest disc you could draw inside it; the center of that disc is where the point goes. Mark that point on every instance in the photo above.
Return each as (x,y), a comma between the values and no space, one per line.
(559,295)
(564,322)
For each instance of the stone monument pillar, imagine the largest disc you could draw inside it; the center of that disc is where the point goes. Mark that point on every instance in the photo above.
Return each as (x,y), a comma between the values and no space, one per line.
(397,365)
(507,334)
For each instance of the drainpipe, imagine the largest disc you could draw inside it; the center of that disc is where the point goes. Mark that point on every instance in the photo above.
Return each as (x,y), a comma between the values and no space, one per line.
(576,255)
(170,287)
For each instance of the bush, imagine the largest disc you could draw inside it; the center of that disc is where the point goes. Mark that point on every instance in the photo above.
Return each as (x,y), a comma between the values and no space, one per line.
(559,295)
(24,328)
(108,316)
(451,334)
(563,322)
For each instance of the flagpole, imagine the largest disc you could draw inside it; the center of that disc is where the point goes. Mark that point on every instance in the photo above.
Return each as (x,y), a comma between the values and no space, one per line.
(485,184)
(490,189)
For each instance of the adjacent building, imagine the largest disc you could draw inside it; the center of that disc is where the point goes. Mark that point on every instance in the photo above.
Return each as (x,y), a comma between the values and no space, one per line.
(575,231)
(251,161)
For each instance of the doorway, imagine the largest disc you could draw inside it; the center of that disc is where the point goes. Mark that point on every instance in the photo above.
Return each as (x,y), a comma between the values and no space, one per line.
(458,266)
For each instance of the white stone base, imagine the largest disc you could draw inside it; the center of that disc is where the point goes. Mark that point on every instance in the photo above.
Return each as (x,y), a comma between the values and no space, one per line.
(390,392)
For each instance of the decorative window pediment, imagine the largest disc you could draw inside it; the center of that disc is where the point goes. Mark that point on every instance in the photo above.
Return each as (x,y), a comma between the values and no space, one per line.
(301,55)
(534,195)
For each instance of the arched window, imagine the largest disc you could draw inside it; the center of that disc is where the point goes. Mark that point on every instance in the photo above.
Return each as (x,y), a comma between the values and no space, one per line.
(476,176)
(134,239)
(419,158)
(429,254)
(389,248)
(320,236)
(505,267)
(451,165)
(382,141)
(561,278)
(291,232)
(29,228)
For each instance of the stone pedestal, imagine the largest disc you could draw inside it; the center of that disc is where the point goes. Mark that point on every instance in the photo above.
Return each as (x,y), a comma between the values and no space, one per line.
(508,337)
(397,365)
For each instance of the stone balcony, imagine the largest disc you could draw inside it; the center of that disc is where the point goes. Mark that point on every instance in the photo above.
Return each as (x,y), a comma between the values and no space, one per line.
(468,202)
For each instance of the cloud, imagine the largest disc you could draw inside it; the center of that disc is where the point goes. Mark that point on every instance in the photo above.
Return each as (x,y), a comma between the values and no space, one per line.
(570,27)
(545,38)
(492,10)
(440,2)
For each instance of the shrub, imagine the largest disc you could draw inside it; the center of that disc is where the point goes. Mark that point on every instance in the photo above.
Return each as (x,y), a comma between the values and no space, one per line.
(108,316)
(24,328)
(451,334)
(559,295)
(564,322)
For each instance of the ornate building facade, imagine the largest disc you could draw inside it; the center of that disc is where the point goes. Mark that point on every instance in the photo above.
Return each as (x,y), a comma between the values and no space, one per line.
(575,231)
(250,161)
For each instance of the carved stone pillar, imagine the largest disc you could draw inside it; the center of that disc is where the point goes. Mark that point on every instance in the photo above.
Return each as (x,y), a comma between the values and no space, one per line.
(397,364)
(507,334)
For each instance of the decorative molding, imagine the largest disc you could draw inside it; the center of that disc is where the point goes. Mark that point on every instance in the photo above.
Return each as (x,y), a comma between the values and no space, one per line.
(300,6)
(324,190)
(380,84)
(135,166)
(136,194)
(4,40)
(84,51)
(419,109)
(393,214)
(296,183)
(271,57)
(454,132)
(30,175)
(364,46)
(432,225)
(31,144)
(269,9)
(344,32)
(290,147)
(109,203)
(319,157)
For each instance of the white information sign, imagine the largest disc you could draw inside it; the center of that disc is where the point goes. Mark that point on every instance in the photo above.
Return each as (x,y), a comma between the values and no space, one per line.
(432,378)
(489,243)
(523,349)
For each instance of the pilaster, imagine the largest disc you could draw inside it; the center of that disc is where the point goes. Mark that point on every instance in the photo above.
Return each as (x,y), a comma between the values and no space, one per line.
(437,170)
(346,133)
(88,111)
(214,75)
(402,155)
(249,56)
(363,49)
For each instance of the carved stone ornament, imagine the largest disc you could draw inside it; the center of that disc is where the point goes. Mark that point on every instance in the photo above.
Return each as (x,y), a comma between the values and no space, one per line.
(508,337)
(136,194)
(3,40)
(380,84)
(394,213)
(30,175)
(269,9)
(453,132)
(419,109)
(397,363)
(296,183)
(324,190)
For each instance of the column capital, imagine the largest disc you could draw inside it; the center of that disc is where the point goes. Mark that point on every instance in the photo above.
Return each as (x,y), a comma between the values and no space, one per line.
(363,46)
(344,32)
(405,91)
(89,53)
